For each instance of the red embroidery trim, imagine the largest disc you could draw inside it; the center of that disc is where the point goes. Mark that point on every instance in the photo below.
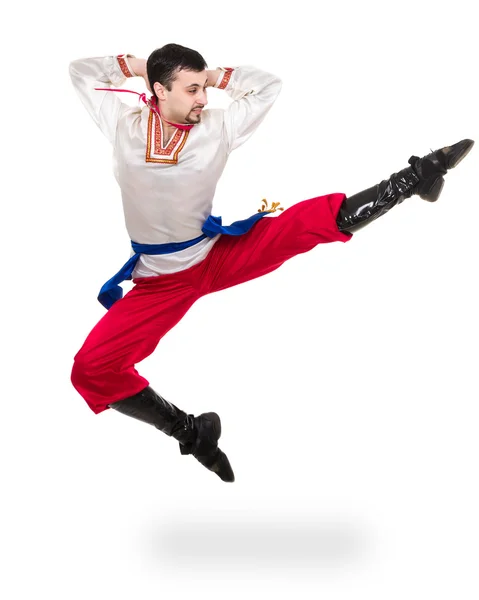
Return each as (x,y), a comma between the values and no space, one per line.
(226,78)
(159,150)
(123,66)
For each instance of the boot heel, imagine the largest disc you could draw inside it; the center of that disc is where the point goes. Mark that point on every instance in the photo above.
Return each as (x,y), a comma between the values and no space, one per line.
(208,426)
(434,192)
(215,423)
(206,449)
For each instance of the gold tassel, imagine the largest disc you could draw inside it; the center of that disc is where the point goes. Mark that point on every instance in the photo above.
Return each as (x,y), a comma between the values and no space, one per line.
(274,207)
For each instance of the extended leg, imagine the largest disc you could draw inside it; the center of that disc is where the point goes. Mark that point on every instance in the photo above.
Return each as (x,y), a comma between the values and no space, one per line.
(324,219)
(424,177)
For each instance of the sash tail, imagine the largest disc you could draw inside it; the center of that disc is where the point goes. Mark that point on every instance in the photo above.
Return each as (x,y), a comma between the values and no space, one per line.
(111,290)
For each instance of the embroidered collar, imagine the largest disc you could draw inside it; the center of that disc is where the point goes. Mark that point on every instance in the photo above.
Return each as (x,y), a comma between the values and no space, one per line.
(156,152)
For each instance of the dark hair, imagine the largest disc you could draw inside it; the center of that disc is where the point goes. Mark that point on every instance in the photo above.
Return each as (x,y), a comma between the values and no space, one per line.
(164,62)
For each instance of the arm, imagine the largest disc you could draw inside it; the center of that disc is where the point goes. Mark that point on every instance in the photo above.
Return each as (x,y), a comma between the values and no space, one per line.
(254,93)
(138,65)
(213,77)
(104,107)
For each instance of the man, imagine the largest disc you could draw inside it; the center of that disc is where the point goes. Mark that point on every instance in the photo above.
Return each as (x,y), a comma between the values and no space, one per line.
(168,157)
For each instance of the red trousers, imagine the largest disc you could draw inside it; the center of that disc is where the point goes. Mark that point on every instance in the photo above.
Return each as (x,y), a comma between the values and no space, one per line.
(104,368)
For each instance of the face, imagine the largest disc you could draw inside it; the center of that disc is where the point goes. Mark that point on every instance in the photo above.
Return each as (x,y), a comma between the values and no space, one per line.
(187,98)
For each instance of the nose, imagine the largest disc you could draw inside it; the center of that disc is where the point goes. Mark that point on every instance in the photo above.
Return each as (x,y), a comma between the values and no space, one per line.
(203,98)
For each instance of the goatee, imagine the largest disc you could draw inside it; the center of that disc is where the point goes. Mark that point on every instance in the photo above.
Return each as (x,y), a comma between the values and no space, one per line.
(193,119)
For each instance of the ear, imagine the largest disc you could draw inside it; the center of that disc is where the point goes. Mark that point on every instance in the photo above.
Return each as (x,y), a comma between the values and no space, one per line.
(159,90)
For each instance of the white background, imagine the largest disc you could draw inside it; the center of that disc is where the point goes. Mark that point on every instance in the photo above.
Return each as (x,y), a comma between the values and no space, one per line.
(346,380)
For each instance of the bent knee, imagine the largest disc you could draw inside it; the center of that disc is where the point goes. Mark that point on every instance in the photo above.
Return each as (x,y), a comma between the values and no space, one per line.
(85,366)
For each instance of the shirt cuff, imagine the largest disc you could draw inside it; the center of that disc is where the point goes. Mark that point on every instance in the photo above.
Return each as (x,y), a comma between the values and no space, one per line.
(125,65)
(224,77)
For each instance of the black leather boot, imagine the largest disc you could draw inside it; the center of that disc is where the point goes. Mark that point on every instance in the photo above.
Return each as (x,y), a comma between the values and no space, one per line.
(424,177)
(196,435)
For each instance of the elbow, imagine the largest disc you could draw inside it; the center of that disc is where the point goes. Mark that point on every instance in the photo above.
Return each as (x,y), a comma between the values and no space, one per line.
(276,87)
(73,70)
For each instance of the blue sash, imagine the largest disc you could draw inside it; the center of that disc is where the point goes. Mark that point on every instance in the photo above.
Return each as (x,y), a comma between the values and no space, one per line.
(111,290)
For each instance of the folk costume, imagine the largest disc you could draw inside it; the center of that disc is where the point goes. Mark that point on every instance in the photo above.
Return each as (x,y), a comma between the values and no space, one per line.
(181,252)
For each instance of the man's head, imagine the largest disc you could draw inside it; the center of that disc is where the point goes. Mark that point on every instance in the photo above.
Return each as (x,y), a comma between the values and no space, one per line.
(177,76)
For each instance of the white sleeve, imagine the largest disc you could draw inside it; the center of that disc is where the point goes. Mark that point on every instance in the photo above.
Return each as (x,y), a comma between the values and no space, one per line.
(104,107)
(253,92)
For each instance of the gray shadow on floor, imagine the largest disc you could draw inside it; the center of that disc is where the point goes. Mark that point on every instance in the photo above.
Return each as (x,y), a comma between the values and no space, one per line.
(239,541)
